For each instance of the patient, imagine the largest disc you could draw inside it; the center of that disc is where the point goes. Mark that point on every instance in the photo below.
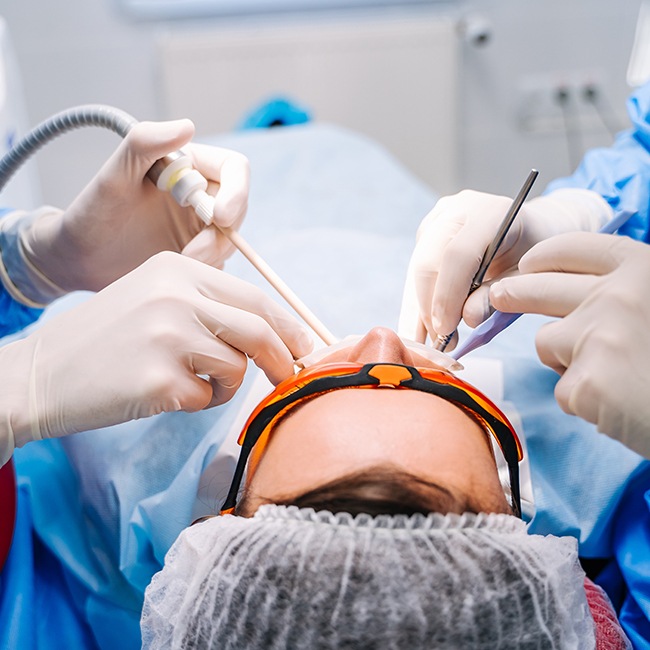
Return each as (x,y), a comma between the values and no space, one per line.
(379,447)
(423,549)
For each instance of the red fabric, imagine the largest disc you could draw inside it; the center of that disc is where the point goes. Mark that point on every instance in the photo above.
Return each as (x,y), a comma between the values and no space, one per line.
(7,509)
(609,633)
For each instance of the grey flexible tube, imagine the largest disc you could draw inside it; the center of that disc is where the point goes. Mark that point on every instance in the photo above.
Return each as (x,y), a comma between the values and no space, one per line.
(120,122)
(86,115)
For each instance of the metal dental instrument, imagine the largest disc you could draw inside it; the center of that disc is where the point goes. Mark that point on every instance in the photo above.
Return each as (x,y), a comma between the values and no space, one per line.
(499,320)
(442,340)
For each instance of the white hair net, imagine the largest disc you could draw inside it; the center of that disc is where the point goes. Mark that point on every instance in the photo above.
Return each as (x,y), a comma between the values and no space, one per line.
(296,578)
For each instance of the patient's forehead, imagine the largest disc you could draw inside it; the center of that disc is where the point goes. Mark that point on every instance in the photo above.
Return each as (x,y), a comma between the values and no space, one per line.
(348,430)
(349,416)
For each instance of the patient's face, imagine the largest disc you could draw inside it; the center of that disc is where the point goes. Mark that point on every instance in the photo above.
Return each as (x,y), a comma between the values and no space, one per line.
(349,430)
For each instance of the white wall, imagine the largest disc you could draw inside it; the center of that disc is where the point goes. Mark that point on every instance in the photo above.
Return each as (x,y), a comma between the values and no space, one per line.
(547,41)
(77,51)
(74,52)
(392,77)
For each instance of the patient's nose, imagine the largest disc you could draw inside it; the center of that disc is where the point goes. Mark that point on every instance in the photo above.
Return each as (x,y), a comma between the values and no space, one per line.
(380,344)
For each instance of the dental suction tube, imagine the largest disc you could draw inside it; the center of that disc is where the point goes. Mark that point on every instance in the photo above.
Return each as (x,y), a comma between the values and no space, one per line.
(86,115)
(173,173)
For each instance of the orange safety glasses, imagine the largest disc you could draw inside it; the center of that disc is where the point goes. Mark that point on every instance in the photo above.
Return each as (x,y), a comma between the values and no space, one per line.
(312,382)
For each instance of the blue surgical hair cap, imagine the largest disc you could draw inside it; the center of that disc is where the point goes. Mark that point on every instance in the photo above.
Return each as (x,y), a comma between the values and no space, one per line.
(300,579)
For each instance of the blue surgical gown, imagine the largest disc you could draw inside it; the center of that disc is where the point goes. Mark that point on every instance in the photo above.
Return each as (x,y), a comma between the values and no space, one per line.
(13,315)
(621,174)
(37,597)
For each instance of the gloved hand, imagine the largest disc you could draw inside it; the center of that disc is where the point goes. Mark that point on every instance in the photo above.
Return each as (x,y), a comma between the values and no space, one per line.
(598,286)
(452,239)
(139,347)
(121,219)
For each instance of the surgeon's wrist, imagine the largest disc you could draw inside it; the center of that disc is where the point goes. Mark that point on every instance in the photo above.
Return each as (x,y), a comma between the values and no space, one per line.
(21,271)
(16,428)
(589,210)
(567,210)
(7,436)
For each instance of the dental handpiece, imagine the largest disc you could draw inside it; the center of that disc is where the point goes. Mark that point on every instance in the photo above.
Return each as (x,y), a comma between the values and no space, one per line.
(175,174)
(442,340)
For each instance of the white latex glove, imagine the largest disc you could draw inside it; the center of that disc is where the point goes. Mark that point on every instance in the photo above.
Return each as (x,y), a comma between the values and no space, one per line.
(452,239)
(121,219)
(171,335)
(598,286)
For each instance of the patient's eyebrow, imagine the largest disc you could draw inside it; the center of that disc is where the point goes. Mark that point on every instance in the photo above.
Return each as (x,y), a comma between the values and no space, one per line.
(384,489)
